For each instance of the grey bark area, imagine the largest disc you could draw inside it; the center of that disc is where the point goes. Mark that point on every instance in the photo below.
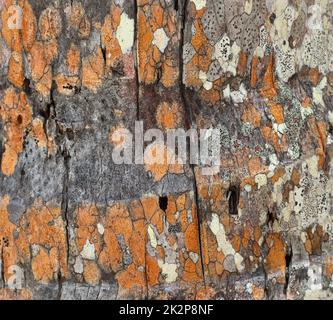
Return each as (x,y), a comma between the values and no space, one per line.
(76,225)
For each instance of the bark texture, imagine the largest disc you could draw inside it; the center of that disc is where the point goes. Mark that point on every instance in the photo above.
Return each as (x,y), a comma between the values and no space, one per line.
(77,226)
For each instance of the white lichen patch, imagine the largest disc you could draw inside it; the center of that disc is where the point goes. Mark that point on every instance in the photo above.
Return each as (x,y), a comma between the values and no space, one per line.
(223,243)
(169,271)
(78,266)
(199,4)
(227,55)
(88,251)
(206,84)
(125,33)
(100,228)
(317,92)
(261,180)
(161,39)
(152,237)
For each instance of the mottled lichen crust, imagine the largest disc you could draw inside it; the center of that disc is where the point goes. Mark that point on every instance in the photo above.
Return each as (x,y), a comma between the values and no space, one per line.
(80,227)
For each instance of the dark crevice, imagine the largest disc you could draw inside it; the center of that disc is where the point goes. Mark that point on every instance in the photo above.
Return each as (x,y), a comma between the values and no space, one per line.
(271,217)
(104,54)
(136,60)
(189,122)
(175,5)
(163,203)
(2,265)
(27,87)
(288,257)
(65,198)
(233,199)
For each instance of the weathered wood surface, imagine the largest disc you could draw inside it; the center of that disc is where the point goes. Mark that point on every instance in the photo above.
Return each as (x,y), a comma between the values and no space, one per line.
(81,227)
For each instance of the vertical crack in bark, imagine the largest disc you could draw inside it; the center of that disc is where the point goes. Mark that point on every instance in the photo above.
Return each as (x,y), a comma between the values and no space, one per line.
(64,201)
(2,266)
(136,59)
(182,7)
(289,258)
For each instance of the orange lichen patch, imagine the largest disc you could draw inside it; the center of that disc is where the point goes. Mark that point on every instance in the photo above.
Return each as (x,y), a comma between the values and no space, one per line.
(153,270)
(278,173)
(255,166)
(170,73)
(67,85)
(307,102)
(109,39)
(190,272)
(258,293)
(16,70)
(10,254)
(91,273)
(136,210)
(157,16)
(314,76)
(131,278)
(45,265)
(271,137)
(73,60)
(205,293)
(39,60)
(38,132)
(236,242)
(319,130)
(191,73)
(9,294)
(29,26)
(277,113)
(158,221)
(254,76)
(275,260)
(171,210)
(145,50)
(74,14)
(111,256)
(12,36)
(158,160)
(93,70)
(308,246)
(296,177)
(154,63)
(15,112)
(212,96)
(119,220)
(168,116)
(191,238)
(50,23)
(43,225)
(247,234)
(252,115)
(87,219)
(314,240)
(78,20)
(242,64)
(268,89)
(150,206)
(328,268)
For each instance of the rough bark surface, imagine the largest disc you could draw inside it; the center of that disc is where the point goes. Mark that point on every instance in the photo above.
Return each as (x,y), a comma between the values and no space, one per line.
(77,226)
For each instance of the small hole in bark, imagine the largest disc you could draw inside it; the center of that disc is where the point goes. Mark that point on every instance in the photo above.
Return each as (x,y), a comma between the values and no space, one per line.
(70,134)
(26,86)
(163,202)
(176,5)
(272,18)
(271,217)
(233,199)
(288,257)
(19,119)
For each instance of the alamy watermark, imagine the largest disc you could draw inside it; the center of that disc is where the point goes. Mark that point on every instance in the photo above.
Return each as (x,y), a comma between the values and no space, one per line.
(175,146)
